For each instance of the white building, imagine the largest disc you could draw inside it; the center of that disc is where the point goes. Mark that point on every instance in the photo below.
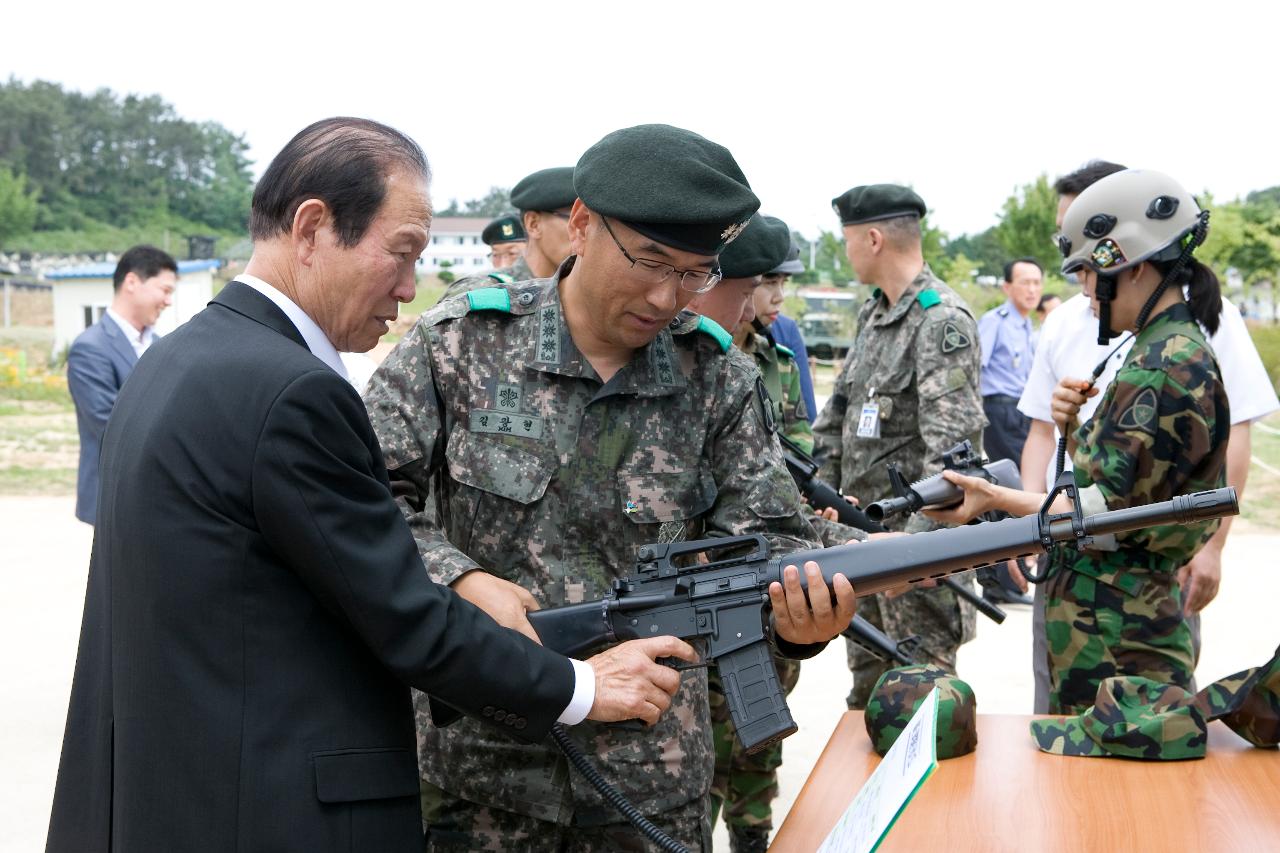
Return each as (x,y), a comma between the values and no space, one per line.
(456,239)
(82,294)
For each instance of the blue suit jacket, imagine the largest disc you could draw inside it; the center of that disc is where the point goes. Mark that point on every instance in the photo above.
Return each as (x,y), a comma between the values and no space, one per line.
(99,362)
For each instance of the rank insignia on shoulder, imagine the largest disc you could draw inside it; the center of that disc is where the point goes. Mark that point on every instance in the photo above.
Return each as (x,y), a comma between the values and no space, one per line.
(631,508)
(952,338)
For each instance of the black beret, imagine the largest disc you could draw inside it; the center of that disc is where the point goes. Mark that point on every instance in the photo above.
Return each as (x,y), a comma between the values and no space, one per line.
(671,185)
(877,201)
(792,265)
(547,189)
(760,247)
(504,229)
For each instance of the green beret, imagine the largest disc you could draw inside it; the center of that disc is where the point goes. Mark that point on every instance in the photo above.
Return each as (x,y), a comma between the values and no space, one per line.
(899,694)
(671,185)
(548,189)
(504,229)
(877,201)
(760,247)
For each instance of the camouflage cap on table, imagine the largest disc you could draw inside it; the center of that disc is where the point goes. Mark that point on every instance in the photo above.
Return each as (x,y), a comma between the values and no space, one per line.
(1248,702)
(1132,717)
(902,690)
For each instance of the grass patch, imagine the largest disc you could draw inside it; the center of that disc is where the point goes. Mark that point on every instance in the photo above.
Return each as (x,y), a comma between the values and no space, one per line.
(1261,504)
(24,482)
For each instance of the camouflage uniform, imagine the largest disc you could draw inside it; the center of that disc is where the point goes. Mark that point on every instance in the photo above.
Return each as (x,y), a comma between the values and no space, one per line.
(782,380)
(746,785)
(544,476)
(1160,430)
(919,361)
(519,271)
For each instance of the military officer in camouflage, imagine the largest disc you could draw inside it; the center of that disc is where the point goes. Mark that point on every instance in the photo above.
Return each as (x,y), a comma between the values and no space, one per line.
(745,785)
(1161,430)
(543,199)
(908,390)
(556,425)
(506,240)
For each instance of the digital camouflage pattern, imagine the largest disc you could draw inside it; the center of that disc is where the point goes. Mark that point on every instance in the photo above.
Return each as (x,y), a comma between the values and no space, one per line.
(1248,702)
(457,826)
(519,271)
(1160,431)
(745,785)
(899,694)
(919,361)
(540,474)
(1132,717)
(781,377)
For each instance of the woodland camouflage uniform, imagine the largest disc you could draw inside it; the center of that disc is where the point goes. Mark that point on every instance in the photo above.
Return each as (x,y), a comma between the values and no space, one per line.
(1160,431)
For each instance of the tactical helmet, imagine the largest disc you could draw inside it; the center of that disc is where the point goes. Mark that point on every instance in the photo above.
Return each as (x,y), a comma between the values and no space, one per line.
(1127,218)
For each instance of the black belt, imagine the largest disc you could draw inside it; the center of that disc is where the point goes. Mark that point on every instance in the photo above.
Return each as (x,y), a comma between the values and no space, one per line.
(1001,398)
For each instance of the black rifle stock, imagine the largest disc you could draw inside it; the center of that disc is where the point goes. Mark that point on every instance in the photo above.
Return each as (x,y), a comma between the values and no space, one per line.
(804,470)
(725,601)
(880,644)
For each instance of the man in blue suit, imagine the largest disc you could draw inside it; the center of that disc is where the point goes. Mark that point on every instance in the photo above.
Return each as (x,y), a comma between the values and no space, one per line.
(104,354)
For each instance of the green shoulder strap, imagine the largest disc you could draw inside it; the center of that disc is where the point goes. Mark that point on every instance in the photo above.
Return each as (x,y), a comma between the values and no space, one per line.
(489,299)
(715,330)
(928,298)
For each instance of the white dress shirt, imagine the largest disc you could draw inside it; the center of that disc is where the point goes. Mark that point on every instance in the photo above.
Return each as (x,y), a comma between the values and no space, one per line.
(139,340)
(1069,348)
(584,677)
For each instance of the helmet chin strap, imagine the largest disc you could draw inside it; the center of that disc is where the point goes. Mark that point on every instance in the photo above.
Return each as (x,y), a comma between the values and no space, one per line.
(1104,291)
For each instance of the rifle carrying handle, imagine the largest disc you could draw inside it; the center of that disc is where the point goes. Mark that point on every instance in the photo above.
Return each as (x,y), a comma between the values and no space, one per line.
(755,697)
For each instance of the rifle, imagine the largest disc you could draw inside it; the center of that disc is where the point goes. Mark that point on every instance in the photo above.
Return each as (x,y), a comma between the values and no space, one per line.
(880,644)
(804,470)
(725,600)
(936,491)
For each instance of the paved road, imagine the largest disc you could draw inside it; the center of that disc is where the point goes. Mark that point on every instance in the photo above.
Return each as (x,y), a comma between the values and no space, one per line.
(44,558)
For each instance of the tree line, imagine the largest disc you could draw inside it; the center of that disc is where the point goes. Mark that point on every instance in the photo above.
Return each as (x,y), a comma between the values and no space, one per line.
(73,162)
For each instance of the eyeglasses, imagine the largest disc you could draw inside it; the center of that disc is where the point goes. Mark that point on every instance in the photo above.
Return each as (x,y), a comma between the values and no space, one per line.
(656,272)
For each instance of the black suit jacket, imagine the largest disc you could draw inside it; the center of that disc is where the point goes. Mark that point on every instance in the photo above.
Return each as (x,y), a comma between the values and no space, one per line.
(256,607)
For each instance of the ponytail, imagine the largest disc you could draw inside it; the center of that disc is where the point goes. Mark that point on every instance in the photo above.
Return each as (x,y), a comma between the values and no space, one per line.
(1204,294)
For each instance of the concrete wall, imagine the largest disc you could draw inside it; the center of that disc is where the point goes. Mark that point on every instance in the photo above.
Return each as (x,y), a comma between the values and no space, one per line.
(72,296)
(25,303)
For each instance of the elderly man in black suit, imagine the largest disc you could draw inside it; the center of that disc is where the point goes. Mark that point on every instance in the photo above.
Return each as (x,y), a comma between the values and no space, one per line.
(256,604)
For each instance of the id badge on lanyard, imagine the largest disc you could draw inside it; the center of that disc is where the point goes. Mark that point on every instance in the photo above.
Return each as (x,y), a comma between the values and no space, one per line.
(869,420)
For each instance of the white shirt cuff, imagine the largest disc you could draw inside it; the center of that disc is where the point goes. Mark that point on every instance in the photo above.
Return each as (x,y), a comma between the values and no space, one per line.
(584,694)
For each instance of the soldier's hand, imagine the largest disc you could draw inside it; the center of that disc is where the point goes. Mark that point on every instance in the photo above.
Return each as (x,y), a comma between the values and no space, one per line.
(630,685)
(505,602)
(979,496)
(803,619)
(830,513)
(1199,579)
(1068,397)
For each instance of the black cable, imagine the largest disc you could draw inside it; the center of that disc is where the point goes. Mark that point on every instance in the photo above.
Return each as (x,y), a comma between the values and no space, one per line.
(611,794)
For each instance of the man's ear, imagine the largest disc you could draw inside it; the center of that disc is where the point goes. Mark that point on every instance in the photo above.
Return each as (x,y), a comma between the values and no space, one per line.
(875,239)
(580,217)
(130,282)
(532,221)
(311,221)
